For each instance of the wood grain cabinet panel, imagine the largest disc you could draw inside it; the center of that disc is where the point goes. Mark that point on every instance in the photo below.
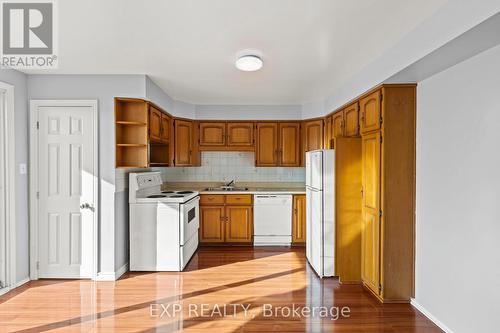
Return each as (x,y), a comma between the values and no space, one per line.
(387,119)
(313,134)
(212,134)
(370,239)
(226,219)
(183,142)
(240,134)
(370,112)
(348,206)
(165,128)
(155,124)
(239,199)
(267,144)
(351,120)
(299,220)
(212,199)
(338,124)
(212,224)
(289,144)
(239,224)
(328,133)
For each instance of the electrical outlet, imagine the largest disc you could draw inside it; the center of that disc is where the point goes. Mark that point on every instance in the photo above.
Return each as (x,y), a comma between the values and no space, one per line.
(23,169)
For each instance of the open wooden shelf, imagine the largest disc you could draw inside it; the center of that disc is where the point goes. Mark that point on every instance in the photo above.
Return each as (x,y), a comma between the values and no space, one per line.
(131,110)
(158,154)
(131,133)
(132,156)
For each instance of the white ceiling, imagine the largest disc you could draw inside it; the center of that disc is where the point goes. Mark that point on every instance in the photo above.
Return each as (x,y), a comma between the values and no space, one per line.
(188,47)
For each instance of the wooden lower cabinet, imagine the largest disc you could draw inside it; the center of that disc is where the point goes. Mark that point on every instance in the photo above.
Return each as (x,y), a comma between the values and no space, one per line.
(226,219)
(212,225)
(239,224)
(299,220)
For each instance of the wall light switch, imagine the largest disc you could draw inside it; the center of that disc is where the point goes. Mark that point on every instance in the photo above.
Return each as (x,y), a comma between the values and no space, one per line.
(23,169)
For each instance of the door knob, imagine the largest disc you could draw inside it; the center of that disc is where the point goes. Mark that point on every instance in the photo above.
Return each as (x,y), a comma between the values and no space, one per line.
(87,206)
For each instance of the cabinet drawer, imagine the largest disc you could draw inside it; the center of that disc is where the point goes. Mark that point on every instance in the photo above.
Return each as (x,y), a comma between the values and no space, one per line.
(239,199)
(211,199)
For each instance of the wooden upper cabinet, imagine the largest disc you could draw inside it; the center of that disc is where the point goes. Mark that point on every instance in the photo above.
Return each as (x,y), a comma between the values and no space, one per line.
(239,224)
(212,134)
(299,219)
(212,223)
(267,144)
(240,134)
(371,117)
(165,127)
(351,120)
(155,124)
(338,124)
(183,142)
(327,141)
(289,144)
(313,134)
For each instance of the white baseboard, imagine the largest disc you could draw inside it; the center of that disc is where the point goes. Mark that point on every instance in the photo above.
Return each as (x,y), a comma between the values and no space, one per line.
(430,316)
(14,286)
(112,276)
(122,270)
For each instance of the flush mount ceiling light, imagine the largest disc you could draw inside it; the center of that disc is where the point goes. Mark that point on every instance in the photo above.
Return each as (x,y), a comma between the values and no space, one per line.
(249,63)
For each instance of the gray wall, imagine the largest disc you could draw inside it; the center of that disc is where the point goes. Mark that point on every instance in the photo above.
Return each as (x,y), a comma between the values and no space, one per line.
(19,81)
(457,246)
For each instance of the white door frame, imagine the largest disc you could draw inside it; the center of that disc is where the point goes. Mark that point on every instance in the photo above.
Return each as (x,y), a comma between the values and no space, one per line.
(34,104)
(9,170)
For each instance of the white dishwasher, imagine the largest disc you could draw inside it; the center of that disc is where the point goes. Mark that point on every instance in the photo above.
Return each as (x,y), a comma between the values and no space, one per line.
(272,223)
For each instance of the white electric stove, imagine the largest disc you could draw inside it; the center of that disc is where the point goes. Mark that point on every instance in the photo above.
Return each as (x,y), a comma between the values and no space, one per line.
(163,224)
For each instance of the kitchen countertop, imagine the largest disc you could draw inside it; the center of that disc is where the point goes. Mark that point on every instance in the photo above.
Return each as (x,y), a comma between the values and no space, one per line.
(253,188)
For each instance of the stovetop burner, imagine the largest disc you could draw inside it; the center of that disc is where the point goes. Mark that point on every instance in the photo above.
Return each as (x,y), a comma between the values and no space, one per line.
(185,192)
(167,192)
(176,196)
(157,196)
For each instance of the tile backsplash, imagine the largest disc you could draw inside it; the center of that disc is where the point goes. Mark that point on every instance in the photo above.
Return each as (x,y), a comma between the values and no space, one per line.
(226,166)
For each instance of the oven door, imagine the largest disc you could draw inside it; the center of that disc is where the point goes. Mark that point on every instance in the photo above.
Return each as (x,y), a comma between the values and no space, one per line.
(190,220)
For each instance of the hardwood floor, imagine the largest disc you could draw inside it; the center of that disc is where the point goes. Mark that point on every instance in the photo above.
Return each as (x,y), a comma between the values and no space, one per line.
(243,277)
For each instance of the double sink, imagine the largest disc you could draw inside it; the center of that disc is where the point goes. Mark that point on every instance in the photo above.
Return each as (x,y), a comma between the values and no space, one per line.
(226,188)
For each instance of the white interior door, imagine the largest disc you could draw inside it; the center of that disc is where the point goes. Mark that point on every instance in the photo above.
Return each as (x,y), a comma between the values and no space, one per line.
(3,218)
(66,181)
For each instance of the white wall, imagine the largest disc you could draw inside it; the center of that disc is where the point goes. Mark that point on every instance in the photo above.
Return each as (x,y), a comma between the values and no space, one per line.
(453,19)
(458,182)
(18,80)
(243,112)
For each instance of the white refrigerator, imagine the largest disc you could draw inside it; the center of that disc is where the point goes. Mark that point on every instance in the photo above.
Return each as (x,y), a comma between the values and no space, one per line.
(320,211)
